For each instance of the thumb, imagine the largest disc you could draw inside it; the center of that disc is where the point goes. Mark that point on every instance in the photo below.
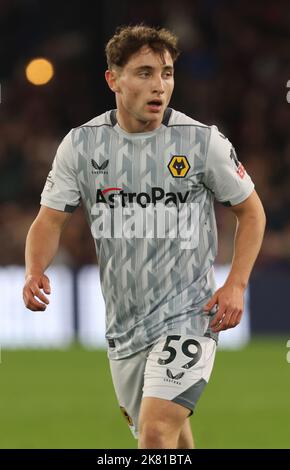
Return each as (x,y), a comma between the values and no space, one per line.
(45,284)
(211,303)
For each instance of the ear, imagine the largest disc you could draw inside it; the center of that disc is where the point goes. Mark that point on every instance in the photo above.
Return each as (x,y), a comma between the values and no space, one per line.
(111,77)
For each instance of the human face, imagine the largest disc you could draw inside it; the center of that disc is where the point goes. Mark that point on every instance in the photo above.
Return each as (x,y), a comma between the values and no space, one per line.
(143,89)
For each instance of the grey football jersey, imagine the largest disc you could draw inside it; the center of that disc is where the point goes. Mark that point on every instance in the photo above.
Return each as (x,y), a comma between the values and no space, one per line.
(155,280)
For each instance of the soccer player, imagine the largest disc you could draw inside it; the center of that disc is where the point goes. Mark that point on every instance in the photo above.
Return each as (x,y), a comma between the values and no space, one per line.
(147,176)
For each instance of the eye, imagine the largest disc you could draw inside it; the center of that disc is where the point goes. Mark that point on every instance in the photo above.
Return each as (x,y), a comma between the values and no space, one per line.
(144,74)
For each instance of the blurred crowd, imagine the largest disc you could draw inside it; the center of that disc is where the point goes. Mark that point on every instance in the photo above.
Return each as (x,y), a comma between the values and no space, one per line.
(233,72)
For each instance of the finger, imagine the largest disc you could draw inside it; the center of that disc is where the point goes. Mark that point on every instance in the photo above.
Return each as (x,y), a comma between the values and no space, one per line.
(222,318)
(36,306)
(219,326)
(228,321)
(37,293)
(45,284)
(211,303)
(236,318)
(32,304)
(219,315)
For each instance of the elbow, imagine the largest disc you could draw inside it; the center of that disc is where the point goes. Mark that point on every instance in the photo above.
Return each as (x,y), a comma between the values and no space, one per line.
(259,222)
(259,219)
(255,219)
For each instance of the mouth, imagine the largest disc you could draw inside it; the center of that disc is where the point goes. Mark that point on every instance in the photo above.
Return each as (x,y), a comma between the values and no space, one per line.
(155,105)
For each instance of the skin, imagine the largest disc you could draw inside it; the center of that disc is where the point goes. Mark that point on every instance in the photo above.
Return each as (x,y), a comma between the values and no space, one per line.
(148,76)
(229,298)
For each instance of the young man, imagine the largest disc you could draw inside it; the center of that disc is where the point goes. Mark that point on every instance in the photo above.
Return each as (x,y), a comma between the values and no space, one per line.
(147,162)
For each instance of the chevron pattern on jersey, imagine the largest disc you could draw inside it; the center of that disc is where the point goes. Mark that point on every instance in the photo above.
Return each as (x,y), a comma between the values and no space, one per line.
(152,286)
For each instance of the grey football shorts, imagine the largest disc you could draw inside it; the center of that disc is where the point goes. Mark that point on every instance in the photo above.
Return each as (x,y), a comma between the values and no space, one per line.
(175,368)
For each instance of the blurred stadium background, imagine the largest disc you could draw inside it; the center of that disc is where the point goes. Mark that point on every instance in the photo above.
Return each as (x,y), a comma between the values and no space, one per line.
(55,386)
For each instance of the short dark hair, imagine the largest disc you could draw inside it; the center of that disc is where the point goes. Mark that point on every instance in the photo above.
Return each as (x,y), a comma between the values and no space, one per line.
(127,40)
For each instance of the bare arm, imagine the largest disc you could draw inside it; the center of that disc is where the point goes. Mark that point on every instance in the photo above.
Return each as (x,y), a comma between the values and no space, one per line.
(249,235)
(41,246)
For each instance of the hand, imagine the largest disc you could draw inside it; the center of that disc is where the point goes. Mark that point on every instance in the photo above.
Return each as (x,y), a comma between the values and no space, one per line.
(31,289)
(230,302)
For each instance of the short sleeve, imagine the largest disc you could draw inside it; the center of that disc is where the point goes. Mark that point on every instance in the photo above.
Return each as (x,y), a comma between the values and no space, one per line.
(224,175)
(61,190)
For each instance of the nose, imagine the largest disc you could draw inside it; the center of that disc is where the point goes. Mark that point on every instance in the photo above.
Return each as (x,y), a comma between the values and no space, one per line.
(158,85)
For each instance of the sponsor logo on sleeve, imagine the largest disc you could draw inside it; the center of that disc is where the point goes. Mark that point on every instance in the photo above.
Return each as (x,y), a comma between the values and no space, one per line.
(240,168)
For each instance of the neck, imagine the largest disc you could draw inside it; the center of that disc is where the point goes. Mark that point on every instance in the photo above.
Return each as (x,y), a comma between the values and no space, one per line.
(133,125)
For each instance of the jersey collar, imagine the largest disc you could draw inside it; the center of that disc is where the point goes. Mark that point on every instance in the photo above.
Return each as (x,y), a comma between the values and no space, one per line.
(165,121)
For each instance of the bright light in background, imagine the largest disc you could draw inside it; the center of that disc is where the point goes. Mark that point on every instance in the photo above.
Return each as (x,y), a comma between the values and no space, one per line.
(39,71)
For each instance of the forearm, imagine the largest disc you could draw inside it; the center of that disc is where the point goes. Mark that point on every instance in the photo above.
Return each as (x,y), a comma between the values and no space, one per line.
(248,241)
(41,246)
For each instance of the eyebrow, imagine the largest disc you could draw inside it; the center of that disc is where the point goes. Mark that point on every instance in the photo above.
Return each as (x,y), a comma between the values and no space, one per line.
(149,67)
